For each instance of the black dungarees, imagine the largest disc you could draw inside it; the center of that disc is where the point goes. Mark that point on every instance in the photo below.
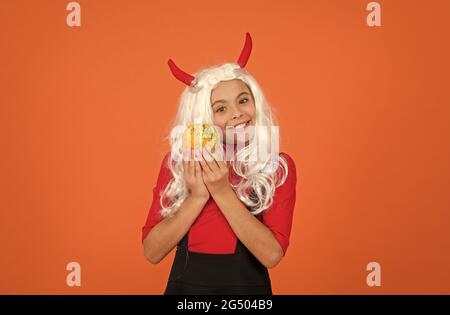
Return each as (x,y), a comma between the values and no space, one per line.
(199,273)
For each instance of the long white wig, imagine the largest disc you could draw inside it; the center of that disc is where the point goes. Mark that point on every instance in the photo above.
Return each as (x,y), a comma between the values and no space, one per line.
(259,177)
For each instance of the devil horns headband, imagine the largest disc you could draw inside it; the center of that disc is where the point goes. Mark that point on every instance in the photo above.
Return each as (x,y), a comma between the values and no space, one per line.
(187,79)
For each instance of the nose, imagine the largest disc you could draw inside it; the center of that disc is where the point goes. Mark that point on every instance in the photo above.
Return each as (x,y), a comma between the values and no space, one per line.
(236,115)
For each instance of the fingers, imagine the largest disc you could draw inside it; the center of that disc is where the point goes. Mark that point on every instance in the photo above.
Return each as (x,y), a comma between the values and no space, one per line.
(203,160)
(219,155)
(191,167)
(185,168)
(198,169)
(205,166)
(220,159)
(212,160)
(191,164)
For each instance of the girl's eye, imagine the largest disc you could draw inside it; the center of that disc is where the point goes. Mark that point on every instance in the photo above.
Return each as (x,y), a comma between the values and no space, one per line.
(246,99)
(219,109)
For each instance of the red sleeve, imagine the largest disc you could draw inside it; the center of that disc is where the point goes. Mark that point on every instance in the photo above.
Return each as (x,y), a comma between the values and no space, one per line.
(278,218)
(154,215)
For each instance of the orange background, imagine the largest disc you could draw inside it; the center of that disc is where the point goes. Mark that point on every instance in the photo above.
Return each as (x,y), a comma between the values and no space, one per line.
(364,111)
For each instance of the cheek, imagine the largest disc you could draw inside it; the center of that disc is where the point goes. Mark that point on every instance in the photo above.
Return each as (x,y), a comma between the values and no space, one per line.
(251,110)
(220,121)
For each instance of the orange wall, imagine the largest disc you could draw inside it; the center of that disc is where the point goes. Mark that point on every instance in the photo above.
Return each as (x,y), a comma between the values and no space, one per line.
(364,112)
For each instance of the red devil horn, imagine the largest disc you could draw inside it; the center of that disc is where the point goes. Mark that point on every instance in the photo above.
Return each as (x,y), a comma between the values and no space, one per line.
(245,53)
(184,77)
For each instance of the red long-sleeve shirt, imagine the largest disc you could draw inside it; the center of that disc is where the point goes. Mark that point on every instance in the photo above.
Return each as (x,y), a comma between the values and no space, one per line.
(211,232)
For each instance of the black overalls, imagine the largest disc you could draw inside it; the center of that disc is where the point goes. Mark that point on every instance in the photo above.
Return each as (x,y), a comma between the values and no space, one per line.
(199,273)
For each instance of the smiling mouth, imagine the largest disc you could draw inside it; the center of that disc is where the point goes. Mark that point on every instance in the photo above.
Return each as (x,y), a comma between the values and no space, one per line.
(241,125)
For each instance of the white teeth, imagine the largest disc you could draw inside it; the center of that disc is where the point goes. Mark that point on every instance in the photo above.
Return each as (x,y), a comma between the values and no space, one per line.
(241,125)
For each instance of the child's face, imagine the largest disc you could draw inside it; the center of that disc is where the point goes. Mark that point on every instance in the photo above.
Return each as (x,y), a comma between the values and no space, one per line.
(233,104)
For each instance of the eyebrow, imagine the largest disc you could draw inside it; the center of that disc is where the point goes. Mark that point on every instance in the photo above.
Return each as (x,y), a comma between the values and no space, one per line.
(224,101)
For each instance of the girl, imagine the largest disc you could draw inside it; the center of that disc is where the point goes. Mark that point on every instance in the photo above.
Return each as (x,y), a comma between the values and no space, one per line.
(230,220)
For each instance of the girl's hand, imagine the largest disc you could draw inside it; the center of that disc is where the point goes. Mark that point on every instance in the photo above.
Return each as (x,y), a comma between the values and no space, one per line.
(193,176)
(215,172)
